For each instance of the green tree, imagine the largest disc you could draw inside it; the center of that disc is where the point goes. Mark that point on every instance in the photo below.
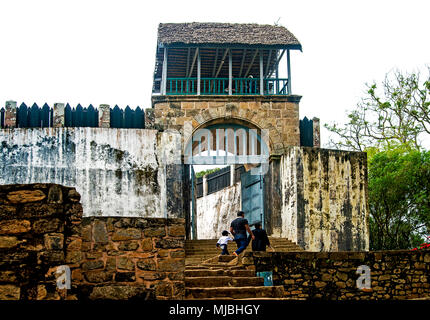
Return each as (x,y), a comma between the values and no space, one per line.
(388,124)
(399,198)
(395,113)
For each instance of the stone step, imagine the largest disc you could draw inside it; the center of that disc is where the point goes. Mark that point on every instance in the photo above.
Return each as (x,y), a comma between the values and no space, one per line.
(215,251)
(222,281)
(195,272)
(235,292)
(234,246)
(226,258)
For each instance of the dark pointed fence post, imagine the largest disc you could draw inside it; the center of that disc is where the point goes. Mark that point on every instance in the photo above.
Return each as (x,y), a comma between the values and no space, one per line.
(68,116)
(59,115)
(79,116)
(2,112)
(21,116)
(116,118)
(104,116)
(306,133)
(128,117)
(139,119)
(10,115)
(92,119)
(45,119)
(34,116)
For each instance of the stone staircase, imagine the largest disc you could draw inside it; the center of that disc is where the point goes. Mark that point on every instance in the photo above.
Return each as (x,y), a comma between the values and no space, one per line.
(198,251)
(210,276)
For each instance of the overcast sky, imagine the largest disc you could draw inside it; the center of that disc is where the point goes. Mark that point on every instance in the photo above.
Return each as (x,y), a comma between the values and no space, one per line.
(104,51)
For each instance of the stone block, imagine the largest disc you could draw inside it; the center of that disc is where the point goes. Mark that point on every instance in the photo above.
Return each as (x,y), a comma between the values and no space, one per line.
(74,244)
(121,293)
(177,254)
(100,234)
(48,225)
(25,196)
(201,105)
(125,263)
(127,234)
(9,242)
(14,226)
(55,194)
(163,289)
(74,257)
(146,264)
(7,212)
(154,232)
(146,244)
(171,264)
(187,105)
(176,230)
(54,241)
(9,292)
(169,243)
(8,276)
(150,276)
(98,276)
(128,246)
(92,264)
(73,195)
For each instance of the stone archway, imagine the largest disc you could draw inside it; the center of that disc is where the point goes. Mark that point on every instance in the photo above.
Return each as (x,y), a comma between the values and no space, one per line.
(278,115)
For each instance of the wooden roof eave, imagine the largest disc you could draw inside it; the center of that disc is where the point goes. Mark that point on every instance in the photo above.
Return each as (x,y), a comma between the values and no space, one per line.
(230,45)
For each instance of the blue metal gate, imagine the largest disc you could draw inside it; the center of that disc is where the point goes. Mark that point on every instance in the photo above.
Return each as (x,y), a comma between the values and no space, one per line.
(252,196)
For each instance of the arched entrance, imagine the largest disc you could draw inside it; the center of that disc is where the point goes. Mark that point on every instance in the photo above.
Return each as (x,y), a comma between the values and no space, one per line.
(230,143)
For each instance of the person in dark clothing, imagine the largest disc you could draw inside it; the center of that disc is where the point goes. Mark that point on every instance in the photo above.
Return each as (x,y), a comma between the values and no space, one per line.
(261,239)
(238,228)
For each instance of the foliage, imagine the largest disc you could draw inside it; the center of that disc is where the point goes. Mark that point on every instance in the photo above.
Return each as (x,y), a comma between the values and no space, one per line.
(388,124)
(205,172)
(399,198)
(396,116)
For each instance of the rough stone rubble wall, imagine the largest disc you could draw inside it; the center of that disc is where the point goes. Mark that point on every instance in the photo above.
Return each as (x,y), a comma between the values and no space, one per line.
(216,211)
(402,274)
(325,199)
(41,228)
(118,172)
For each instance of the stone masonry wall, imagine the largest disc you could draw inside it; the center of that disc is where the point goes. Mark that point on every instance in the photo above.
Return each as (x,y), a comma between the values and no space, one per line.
(278,115)
(41,228)
(123,258)
(33,221)
(333,276)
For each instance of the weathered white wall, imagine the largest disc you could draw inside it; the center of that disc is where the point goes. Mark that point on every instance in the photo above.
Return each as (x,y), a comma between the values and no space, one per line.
(324,199)
(216,211)
(118,172)
(288,173)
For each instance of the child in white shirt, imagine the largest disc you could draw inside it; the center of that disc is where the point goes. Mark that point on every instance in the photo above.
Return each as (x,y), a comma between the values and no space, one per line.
(223,242)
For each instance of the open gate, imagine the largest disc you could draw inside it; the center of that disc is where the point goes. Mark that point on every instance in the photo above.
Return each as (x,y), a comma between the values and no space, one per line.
(226,144)
(252,196)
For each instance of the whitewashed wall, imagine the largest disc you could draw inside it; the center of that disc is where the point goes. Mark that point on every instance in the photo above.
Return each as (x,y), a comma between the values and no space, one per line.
(324,199)
(118,172)
(216,211)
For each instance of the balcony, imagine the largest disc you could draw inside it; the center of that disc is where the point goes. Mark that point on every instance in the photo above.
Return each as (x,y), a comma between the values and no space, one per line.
(220,86)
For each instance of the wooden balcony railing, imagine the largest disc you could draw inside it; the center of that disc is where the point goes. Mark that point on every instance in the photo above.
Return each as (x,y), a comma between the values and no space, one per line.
(220,86)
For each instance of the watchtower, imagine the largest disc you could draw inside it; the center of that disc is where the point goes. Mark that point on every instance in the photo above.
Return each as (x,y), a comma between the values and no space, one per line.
(209,73)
